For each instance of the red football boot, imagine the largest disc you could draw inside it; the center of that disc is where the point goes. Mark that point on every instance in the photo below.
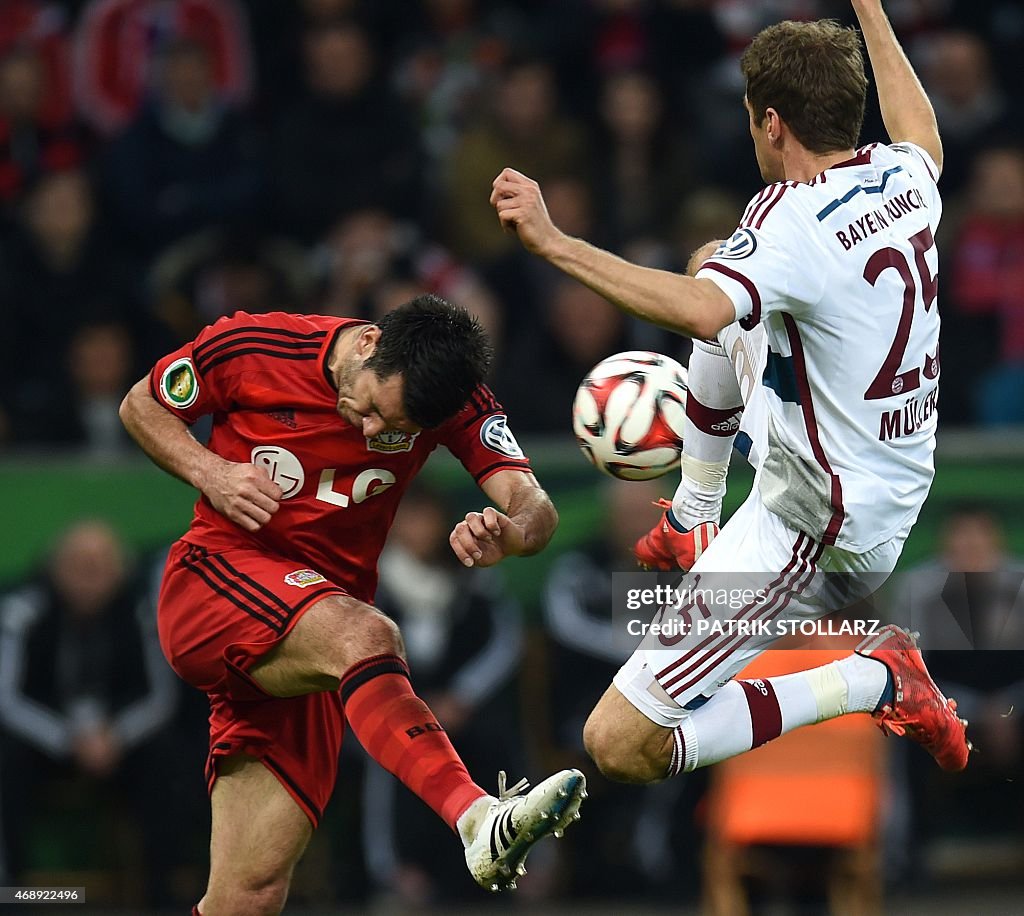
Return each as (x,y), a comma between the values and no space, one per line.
(918,710)
(665,547)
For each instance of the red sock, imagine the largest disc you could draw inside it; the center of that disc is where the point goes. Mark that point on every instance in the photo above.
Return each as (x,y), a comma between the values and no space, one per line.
(400,732)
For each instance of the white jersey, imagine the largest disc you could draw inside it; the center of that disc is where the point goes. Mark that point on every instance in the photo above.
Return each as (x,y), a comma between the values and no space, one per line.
(842,272)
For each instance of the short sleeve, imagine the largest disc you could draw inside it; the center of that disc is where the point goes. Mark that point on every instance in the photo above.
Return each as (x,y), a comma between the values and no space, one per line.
(921,166)
(767,264)
(189,382)
(919,157)
(479,436)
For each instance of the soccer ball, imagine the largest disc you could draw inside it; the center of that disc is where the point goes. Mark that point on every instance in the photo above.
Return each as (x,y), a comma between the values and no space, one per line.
(628,415)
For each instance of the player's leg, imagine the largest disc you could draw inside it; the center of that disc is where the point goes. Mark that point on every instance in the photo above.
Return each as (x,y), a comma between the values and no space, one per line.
(695,714)
(713,410)
(344,644)
(258,835)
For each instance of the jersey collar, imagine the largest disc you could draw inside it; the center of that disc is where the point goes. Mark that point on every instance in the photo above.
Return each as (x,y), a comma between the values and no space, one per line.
(325,355)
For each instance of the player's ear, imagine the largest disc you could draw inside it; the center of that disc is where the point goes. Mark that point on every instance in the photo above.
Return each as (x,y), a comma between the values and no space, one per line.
(366,342)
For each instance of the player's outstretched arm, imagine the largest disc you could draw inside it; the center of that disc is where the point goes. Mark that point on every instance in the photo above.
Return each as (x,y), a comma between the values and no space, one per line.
(696,308)
(906,111)
(241,492)
(524,528)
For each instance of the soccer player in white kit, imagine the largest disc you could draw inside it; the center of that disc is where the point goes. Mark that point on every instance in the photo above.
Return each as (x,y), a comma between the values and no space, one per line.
(835,259)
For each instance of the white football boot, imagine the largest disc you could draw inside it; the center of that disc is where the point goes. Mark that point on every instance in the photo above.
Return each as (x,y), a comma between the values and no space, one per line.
(514,822)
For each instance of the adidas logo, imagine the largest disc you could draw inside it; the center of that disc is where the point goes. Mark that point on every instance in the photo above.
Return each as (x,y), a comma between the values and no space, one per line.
(286,416)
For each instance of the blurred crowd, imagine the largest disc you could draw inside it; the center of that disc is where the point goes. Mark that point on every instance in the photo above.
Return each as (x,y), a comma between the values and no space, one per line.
(165,163)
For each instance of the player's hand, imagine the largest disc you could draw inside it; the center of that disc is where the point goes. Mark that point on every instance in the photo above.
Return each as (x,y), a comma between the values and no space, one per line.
(521,208)
(485,538)
(243,493)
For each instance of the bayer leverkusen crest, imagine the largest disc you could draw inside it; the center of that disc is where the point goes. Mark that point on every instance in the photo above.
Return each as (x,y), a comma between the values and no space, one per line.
(303,578)
(390,441)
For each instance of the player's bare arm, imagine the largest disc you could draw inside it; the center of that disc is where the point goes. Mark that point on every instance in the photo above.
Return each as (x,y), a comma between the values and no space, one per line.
(524,528)
(696,308)
(241,492)
(906,111)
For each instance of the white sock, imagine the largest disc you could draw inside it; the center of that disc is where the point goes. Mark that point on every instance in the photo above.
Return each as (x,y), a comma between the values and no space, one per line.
(866,678)
(468,823)
(713,407)
(746,714)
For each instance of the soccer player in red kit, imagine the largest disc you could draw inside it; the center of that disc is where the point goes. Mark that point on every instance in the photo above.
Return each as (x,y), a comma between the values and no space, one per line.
(319,425)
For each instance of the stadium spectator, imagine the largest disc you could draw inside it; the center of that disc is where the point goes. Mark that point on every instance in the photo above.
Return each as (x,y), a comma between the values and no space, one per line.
(214,273)
(188,162)
(82,412)
(988,292)
(38,135)
(968,603)
(42,26)
(641,165)
(523,283)
(370,249)
(444,64)
(524,129)
(541,380)
(637,836)
(120,46)
(85,696)
(463,638)
(348,143)
(970,106)
(57,273)
(277,30)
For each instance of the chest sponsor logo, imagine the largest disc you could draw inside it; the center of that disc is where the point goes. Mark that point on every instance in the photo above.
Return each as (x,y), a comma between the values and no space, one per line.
(496,435)
(281,466)
(303,578)
(179,386)
(367,483)
(391,440)
(741,244)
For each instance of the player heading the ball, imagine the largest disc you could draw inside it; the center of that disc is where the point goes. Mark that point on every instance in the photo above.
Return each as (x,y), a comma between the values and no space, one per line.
(319,426)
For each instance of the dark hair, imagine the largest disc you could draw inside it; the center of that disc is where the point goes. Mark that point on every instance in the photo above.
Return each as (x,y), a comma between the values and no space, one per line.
(441,351)
(811,73)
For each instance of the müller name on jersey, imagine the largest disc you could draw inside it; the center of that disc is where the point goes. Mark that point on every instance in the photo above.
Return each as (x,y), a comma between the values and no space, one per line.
(877,220)
(913,415)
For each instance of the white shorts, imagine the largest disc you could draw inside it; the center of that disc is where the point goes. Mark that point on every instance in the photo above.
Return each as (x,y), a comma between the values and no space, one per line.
(758,571)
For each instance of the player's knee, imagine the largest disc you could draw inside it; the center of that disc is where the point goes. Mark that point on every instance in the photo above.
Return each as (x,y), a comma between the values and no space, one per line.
(379,634)
(618,756)
(264,896)
(358,632)
(607,749)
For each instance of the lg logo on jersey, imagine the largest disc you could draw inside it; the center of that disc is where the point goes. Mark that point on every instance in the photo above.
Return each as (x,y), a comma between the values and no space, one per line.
(368,483)
(281,466)
(286,471)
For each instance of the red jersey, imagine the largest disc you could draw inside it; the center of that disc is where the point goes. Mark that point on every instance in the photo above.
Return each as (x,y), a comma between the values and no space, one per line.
(265,380)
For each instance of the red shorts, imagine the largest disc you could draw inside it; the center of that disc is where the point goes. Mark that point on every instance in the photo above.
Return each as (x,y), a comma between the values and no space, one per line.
(218,613)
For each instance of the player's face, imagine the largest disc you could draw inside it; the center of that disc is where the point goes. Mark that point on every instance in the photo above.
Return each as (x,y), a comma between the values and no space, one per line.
(767,158)
(370,403)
